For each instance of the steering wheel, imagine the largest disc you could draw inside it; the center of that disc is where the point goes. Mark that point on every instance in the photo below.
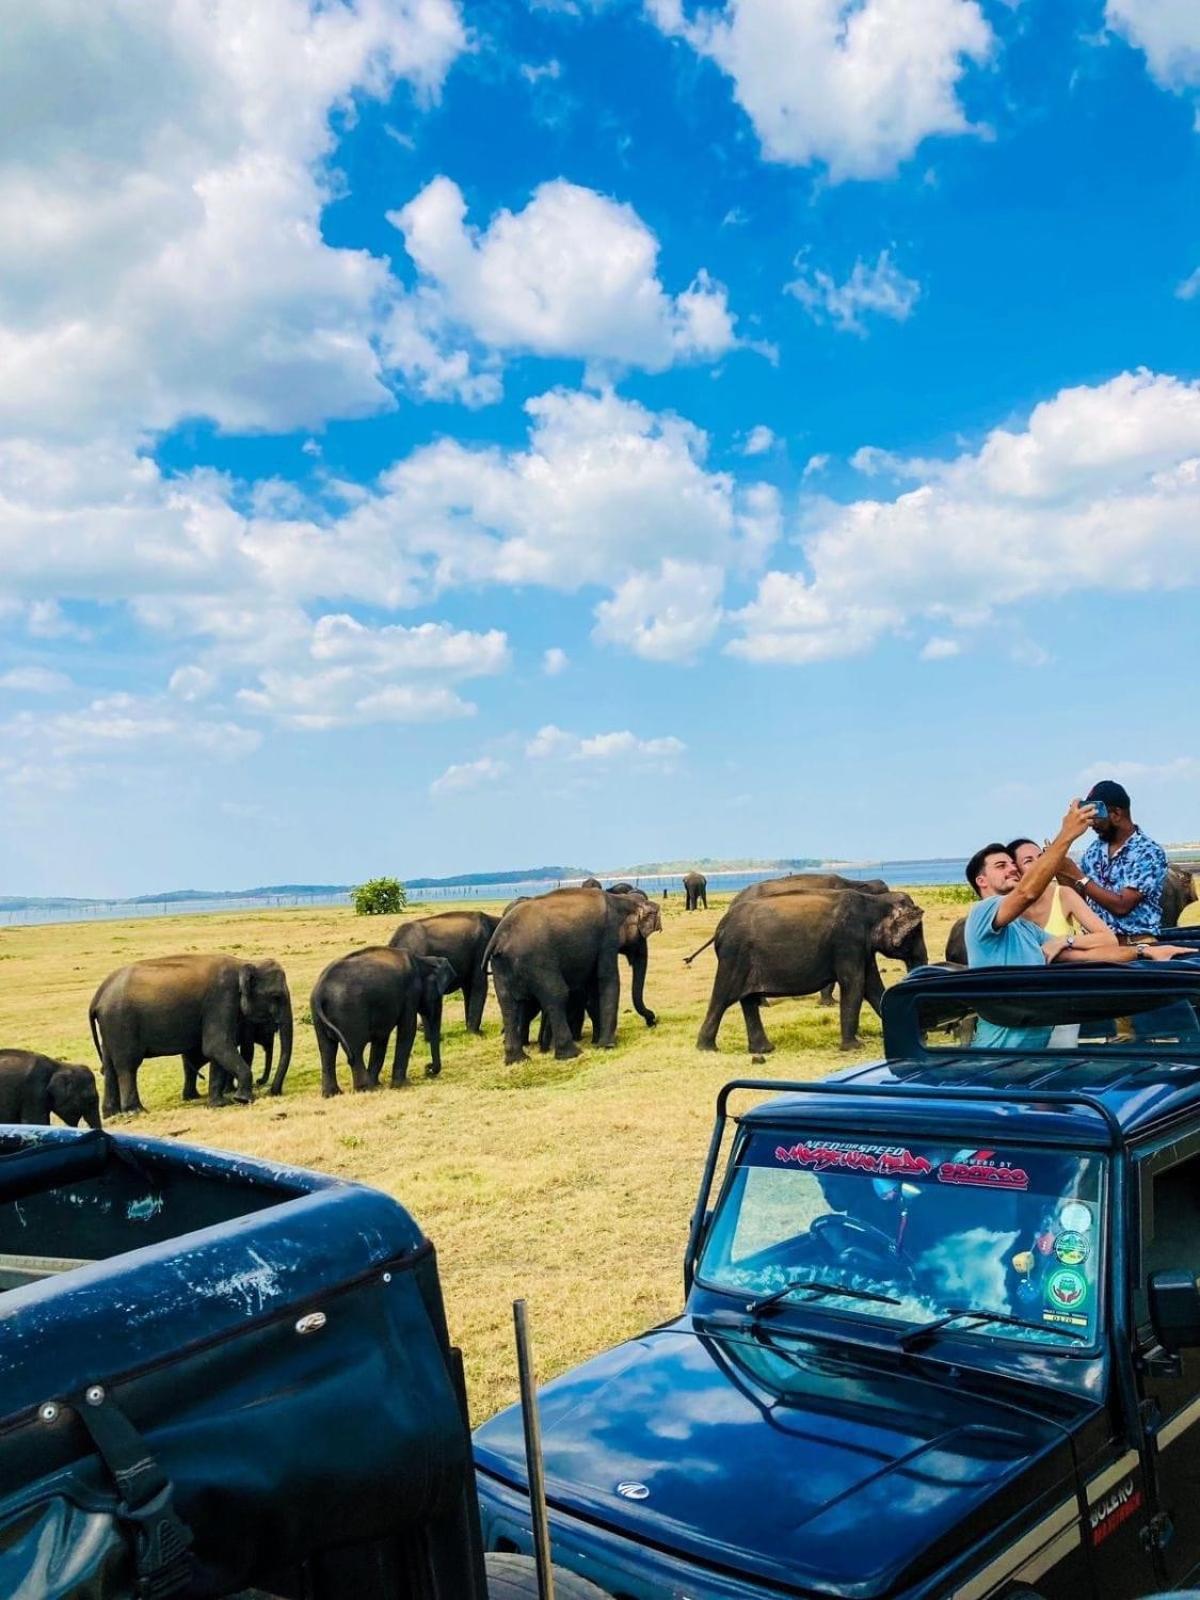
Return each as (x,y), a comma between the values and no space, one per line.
(859,1245)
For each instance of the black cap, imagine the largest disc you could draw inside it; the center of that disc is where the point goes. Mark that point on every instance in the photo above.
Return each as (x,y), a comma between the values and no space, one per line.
(1111,792)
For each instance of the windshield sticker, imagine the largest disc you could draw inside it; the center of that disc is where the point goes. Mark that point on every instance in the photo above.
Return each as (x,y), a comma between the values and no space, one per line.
(1066,1289)
(1075,1217)
(1072,1249)
(891,1160)
(983,1175)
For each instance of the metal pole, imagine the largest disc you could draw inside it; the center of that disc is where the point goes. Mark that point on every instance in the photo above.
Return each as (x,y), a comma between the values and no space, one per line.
(533,1454)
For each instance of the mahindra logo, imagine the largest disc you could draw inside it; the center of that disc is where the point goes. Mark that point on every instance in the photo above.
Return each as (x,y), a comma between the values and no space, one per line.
(633,1491)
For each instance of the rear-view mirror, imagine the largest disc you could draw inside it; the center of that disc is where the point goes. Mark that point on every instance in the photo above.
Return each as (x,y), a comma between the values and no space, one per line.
(1175,1309)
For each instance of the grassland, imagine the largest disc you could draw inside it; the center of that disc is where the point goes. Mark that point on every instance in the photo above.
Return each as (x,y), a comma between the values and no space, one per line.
(570,1183)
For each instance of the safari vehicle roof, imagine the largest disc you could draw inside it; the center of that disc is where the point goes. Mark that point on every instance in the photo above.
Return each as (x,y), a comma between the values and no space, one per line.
(1078,1096)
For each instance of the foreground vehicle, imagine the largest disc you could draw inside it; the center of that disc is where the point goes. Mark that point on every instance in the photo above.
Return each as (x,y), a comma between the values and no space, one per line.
(942,1331)
(216,1372)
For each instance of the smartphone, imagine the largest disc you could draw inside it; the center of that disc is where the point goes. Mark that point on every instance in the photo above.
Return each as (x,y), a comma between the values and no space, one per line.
(1101,810)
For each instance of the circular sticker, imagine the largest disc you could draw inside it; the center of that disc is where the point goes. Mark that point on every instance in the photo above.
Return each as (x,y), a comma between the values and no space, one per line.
(1075,1217)
(1072,1249)
(1066,1289)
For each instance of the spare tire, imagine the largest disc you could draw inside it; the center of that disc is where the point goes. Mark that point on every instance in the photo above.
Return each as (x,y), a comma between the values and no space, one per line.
(512,1577)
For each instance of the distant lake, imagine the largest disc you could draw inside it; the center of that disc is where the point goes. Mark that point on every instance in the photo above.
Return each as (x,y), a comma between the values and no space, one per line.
(896,872)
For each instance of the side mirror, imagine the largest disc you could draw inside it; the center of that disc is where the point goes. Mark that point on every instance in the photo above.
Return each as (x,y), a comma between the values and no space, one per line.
(1175,1309)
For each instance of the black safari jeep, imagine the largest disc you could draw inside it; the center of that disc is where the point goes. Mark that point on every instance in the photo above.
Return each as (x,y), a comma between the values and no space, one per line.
(942,1330)
(217,1373)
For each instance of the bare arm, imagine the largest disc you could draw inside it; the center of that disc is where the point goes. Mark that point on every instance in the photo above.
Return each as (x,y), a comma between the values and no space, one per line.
(1078,909)
(1119,901)
(1094,947)
(1016,902)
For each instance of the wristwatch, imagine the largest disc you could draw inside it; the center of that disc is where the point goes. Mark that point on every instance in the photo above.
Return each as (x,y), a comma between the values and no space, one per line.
(1082,883)
(1070,944)
(1142,946)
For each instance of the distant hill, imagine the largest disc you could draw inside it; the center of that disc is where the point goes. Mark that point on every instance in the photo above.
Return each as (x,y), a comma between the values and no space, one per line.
(465,880)
(709,864)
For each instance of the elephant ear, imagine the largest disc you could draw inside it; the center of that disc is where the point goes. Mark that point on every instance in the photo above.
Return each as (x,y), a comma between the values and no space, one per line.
(649,919)
(247,978)
(901,921)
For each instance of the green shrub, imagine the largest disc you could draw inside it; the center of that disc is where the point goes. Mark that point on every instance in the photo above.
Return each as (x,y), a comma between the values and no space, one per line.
(379,897)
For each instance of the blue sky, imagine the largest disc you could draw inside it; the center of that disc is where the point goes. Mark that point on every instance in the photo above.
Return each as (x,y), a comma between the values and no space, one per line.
(439,436)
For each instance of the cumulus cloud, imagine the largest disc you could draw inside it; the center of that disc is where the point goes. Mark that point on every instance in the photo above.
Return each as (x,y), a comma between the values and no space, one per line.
(853,84)
(759,440)
(665,616)
(1099,490)
(555,661)
(1168,34)
(552,743)
(34,680)
(468,775)
(881,290)
(573,274)
(163,248)
(940,648)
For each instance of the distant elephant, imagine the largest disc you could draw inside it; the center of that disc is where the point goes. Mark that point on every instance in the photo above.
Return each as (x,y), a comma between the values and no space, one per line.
(695,889)
(617,888)
(636,950)
(561,943)
(794,944)
(1179,892)
(201,1007)
(361,998)
(956,943)
(461,937)
(32,1086)
(591,883)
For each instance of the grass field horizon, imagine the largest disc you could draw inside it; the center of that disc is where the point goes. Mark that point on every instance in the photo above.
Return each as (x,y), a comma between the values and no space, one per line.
(570,1183)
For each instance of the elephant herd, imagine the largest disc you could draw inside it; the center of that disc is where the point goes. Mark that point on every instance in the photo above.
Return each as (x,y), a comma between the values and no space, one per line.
(555,959)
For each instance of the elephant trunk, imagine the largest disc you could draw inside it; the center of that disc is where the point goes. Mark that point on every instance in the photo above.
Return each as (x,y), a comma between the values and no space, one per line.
(917,955)
(285,1046)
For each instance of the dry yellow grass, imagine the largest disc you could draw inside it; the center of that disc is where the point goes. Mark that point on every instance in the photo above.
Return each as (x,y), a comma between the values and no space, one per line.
(570,1183)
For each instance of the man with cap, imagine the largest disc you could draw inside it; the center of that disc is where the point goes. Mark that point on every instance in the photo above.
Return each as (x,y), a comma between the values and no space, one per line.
(1123,871)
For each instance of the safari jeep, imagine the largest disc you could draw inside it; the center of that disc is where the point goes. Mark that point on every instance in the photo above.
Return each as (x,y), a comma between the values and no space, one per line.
(942,1329)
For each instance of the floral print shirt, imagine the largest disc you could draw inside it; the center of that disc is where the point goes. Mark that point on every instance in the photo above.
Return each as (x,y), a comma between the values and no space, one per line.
(1138,864)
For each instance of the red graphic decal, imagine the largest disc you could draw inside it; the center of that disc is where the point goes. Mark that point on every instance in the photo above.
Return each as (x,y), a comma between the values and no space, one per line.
(983,1177)
(1115,1509)
(883,1163)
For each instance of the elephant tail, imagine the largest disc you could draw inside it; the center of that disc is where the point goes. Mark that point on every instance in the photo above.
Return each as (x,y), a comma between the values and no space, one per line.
(92,1024)
(486,959)
(687,960)
(322,1016)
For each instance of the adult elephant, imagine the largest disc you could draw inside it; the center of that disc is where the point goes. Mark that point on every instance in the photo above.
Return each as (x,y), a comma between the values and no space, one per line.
(1179,892)
(459,937)
(586,1003)
(561,943)
(200,1007)
(695,890)
(796,883)
(361,999)
(32,1086)
(795,944)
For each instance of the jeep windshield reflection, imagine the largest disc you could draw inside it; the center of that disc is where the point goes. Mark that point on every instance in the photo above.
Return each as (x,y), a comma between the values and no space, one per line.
(1016,1232)
(1129,1024)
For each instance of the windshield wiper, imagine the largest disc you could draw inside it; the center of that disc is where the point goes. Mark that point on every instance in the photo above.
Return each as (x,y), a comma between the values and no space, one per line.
(817,1287)
(918,1336)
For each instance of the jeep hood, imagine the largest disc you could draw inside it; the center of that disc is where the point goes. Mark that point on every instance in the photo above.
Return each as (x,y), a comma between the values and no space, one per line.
(788,1461)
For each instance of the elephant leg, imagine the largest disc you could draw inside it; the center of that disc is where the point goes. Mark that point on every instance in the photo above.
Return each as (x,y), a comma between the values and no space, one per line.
(756,1037)
(327,1049)
(268,1058)
(127,1085)
(545,1038)
(475,999)
(193,1065)
(826,995)
(433,1032)
(375,1057)
(608,997)
(555,998)
(704,898)
(580,1008)
(724,993)
(512,1016)
(406,1032)
(851,989)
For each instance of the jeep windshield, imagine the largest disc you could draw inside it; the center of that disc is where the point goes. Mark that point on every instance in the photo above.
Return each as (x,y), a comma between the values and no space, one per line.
(914,1233)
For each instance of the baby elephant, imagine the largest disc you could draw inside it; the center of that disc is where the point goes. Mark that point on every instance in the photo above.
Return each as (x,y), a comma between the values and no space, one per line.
(358,1001)
(32,1086)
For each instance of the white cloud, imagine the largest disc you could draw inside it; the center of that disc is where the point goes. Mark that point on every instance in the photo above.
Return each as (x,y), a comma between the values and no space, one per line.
(759,440)
(551,743)
(665,616)
(163,172)
(555,661)
(1181,769)
(573,274)
(34,680)
(1099,491)
(468,775)
(855,84)
(1166,31)
(940,648)
(191,683)
(881,290)
(1190,287)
